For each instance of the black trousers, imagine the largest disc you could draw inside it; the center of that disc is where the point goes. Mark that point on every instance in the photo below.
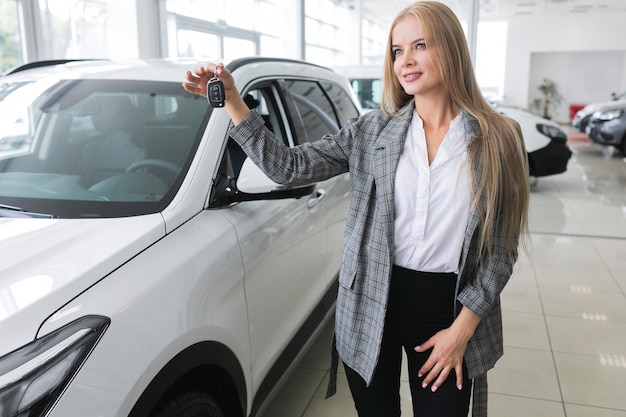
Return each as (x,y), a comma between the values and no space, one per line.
(420,304)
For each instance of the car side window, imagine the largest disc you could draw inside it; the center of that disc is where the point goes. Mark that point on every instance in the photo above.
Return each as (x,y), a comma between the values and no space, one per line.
(296,111)
(344,105)
(311,112)
(263,101)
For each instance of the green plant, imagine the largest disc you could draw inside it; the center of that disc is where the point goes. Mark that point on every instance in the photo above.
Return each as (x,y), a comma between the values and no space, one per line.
(552,97)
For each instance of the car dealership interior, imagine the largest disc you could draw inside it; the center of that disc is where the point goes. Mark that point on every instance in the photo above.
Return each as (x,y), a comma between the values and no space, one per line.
(549,62)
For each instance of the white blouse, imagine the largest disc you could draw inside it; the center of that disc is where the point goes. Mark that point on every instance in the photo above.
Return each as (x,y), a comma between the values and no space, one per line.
(432,202)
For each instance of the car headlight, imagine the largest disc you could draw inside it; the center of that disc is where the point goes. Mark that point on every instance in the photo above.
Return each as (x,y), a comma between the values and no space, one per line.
(608,115)
(33,377)
(553,132)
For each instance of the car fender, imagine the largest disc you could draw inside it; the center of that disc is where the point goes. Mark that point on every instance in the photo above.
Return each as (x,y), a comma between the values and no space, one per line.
(159,310)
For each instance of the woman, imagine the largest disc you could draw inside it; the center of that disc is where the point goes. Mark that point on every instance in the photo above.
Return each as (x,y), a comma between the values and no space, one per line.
(439,199)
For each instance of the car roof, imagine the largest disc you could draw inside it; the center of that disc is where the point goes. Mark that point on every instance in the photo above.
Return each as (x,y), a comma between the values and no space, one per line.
(171,70)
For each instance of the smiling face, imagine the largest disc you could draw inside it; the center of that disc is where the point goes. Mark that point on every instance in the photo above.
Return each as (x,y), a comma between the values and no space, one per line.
(413,65)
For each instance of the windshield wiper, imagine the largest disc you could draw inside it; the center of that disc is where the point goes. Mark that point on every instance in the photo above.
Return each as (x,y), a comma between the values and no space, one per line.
(11,211)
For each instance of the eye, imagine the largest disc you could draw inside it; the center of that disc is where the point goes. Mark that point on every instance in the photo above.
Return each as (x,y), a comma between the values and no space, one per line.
(396,52)
(420,45)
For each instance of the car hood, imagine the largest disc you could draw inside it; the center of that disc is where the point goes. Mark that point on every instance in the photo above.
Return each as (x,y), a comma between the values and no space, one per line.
(522,115)
(604,106)
(48,262)
(533,140)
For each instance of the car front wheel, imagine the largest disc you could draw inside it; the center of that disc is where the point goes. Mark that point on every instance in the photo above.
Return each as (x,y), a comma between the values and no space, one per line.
(191,404)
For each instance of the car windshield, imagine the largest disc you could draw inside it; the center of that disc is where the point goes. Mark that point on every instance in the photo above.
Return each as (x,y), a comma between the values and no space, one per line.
(95,148)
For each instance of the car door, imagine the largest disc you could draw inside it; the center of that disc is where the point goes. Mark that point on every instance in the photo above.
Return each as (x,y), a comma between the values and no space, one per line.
(284,244)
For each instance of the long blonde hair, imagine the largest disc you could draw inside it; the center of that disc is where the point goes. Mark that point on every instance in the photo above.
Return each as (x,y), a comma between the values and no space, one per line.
(497,149)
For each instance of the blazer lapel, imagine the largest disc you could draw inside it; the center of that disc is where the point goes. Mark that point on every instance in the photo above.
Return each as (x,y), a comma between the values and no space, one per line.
(387,149)
(472,128)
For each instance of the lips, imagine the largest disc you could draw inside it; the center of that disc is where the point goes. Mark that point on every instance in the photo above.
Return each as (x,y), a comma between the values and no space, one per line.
(411,76)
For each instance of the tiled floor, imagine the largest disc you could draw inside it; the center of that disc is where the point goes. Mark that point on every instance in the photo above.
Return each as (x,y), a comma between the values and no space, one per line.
(564,309)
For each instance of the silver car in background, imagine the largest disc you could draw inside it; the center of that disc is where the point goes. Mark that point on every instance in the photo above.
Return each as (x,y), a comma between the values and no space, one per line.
(583,116)
(608,127)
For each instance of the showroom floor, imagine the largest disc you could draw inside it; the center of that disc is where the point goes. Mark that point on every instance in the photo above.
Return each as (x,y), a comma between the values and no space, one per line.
(564,310)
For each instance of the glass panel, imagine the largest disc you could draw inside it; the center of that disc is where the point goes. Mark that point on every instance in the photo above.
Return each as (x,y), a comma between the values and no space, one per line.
(312,31)
(237,48)
(345,107)
(330,33)
(271,46)
(192,44)
(10,48)
(236,17)
(374,39)
(491,58)
(73,28)
(196,8)
(369,91)
(312,8)
(313,109)
(17,117)
(268,15)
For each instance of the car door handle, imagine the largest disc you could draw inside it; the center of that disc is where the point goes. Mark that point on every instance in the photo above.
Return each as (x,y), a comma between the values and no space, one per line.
(316,198)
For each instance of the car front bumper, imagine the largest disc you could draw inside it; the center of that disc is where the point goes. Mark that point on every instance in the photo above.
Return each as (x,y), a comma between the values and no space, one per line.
(549,160)
(607,133)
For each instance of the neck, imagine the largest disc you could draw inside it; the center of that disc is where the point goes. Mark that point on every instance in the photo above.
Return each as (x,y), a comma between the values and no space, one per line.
(436,112)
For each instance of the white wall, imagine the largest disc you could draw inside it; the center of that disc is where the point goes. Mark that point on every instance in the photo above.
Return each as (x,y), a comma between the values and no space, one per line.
(569,49)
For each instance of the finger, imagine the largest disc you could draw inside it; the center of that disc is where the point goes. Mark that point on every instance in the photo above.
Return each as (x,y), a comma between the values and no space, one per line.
(219,69)
(458,370)
(441,378)
(431,373)
(193,78)
(427,366)
(429,344)
(203,71)
(192,88)
(193,84)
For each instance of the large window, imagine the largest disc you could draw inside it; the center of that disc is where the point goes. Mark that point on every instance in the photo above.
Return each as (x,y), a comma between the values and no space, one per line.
(491,58)
(10,45)
(227,29)
(330,33)
(73,29)
(374,38)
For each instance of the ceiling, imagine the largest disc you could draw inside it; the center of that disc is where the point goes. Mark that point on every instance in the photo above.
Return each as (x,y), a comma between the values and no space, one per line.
(386,10)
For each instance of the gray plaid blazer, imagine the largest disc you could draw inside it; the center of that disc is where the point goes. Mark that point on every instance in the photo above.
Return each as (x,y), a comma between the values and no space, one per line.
(369,149)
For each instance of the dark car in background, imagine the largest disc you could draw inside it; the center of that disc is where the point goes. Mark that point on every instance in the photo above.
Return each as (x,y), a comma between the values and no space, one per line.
(608,127)
(583,116)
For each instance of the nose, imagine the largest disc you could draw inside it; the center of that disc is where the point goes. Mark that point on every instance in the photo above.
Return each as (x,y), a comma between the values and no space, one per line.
(407,59)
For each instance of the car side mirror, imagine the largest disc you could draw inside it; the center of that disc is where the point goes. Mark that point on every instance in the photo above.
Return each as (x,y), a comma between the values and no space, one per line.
(252,180)
(253,184)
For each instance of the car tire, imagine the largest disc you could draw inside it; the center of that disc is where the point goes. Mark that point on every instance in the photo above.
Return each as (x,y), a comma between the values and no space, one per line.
(623,147)
(188,404)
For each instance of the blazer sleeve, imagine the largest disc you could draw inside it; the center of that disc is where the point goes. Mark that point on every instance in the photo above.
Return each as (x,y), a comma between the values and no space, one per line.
(482,281)
(300,165)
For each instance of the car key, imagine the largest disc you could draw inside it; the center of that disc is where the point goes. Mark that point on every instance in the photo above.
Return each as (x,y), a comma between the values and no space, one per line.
(215,92)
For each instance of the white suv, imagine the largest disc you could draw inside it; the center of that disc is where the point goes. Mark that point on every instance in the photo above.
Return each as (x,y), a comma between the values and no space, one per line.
(148,268)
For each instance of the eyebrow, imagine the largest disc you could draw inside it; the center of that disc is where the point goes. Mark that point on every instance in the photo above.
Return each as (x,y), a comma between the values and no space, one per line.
(412,43)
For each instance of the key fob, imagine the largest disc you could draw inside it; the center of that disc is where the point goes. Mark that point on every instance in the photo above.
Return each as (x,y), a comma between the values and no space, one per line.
(215,92)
